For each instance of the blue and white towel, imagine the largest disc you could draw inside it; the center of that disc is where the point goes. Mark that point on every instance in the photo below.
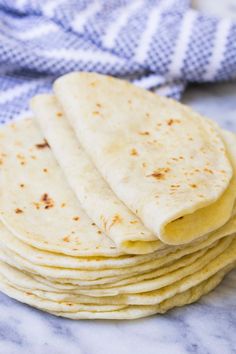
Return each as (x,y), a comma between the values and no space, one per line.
(158,44)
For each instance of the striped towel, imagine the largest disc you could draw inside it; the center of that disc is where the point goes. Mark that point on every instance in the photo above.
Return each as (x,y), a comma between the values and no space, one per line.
(157,44)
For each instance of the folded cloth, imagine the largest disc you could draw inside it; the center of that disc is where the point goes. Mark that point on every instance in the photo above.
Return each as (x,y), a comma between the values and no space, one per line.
(158,44)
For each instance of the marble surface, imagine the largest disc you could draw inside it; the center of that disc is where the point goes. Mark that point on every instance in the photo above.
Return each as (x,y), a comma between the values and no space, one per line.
(207,327)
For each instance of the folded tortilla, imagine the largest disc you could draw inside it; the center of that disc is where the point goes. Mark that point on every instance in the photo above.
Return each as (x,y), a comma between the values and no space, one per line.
(166,163)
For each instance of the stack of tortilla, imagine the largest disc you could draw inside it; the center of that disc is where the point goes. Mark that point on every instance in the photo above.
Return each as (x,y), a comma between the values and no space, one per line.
(115,203)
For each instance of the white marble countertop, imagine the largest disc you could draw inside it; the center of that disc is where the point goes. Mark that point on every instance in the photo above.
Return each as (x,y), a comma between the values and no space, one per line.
(207,327)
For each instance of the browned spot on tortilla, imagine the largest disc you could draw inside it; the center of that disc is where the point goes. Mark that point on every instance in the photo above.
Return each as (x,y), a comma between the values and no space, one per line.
(22,185)
(117,219)
(193,185)
(18,211)
(144,133)
(47,201)
(66,239)
(21,158)
(63,205)
(43,145)
(45,170)
(59,114)
(208,171)
(133,152)
(99,232)
(133,222)
(96,113)
(172,121)
(98,105)
(144,164)
(33,157)
(160,173)
(76,218)
(93,224)
(174,186)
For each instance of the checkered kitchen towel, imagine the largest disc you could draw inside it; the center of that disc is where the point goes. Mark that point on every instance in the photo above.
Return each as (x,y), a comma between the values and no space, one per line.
(158,44)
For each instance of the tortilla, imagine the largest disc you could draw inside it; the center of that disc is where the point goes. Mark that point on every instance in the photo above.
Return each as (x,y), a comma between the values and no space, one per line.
(121,265)
(168,164)
(70,310)
(97,198)
(36,202)
(146,282)
(93,278)
(25,282)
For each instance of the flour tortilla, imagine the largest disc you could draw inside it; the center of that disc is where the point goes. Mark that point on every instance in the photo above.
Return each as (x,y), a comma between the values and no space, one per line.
(30,161)
(46,258)
(181,299)
(36,203)
(164,161)
(121,267)
(160,282)
(148,298)
(106,276)
(96,197)
(132,280)
(94,279)
(160,278)
(129,312)
(63,306)
(27,283)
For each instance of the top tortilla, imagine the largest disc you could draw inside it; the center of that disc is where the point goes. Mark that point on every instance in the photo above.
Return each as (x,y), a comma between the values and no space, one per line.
(168,164)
